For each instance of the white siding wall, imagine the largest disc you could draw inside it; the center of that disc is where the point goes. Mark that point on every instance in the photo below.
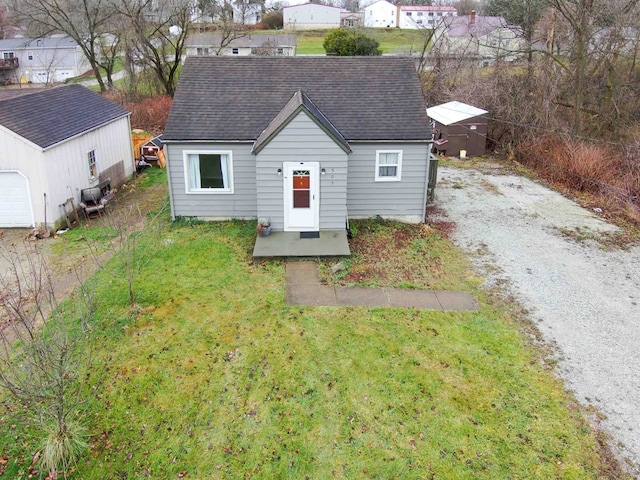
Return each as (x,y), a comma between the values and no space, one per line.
(302,140)
(310,15)
(66,165)
(240,204)
(380,14)
(404,200)
(51,64)
(28,159)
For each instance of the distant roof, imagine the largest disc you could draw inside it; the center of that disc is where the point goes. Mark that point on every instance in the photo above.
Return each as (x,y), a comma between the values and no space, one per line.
(54,115)
(236,98)
(311,3)
(454,112)
(461,26)
(11,92)
(428,8)
(215,39)
(46,42)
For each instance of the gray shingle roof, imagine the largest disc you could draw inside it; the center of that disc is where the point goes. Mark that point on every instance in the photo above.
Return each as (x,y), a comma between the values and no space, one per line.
(235,99)
(51,116)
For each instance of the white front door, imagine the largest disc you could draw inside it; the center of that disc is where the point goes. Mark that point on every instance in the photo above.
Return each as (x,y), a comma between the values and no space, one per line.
(301,196)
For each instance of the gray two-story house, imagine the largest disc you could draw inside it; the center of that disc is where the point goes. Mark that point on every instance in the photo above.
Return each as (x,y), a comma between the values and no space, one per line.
(41,60)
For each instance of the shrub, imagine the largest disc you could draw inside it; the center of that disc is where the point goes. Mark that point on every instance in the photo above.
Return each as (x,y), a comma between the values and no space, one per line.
(272,21)
(349,42)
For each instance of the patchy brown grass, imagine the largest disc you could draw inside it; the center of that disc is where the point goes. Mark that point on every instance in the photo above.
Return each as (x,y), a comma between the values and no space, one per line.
(394,254)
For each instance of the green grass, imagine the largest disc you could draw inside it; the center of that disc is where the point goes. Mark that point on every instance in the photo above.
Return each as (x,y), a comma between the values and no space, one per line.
(392,40)
(216,377)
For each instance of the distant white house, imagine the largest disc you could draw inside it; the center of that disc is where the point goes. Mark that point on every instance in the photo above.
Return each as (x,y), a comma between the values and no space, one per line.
(381,14)
(266,45)
(246,12)
(41,60)
(351,19)
(484,38)
(422,16)
(309,16)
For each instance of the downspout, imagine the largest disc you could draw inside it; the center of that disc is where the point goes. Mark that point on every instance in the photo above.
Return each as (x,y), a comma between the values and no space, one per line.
(428,175)
(171,200)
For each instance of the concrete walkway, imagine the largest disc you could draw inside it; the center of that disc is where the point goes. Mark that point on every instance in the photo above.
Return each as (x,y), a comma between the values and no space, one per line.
(304,288)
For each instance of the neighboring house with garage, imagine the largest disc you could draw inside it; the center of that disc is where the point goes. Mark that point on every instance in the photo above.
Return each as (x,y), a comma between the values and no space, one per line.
(41,60)
(292,147)
(55,143)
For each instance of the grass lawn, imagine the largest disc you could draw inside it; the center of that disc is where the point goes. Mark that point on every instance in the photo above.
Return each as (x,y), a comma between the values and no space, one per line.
(392,40)
(214,376)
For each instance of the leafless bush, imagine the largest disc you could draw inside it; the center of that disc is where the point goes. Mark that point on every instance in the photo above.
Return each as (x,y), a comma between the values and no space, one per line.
(43,349)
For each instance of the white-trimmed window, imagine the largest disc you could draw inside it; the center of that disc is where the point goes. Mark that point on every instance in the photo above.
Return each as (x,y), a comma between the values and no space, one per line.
(93,167)
(208,172)
(388,165)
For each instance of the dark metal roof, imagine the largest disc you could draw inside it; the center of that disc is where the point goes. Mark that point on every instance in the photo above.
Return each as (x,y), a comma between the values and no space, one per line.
(235,99)
(299,101)
(54,115)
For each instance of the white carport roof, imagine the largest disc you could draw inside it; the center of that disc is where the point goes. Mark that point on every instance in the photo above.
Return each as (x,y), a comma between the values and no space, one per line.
(453,112)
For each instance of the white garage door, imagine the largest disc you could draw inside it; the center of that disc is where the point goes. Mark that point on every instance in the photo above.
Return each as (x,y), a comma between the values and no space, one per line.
(15,204)
(62,74)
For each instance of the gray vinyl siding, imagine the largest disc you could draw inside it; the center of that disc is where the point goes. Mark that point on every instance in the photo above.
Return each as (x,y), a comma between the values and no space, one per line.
(240,204)
(302,140)
(404,200)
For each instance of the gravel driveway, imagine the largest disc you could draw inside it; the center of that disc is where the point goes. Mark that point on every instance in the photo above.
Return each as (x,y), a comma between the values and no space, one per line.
(583,298)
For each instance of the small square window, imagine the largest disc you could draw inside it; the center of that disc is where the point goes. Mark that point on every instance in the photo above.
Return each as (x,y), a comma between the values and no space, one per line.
(388,165)
(234,51)
(93,167)
(30,55)
(408,14)
(419,14)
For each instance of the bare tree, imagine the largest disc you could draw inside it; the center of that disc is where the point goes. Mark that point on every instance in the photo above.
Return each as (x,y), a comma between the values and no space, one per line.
(43,352)
(587,20)
(85,21)
(128,249)
(158,32)
(222,12)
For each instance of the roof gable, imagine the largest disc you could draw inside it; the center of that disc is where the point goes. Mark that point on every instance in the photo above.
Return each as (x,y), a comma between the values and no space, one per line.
(235,99)
(298,103)
(453,112)
(49,117)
